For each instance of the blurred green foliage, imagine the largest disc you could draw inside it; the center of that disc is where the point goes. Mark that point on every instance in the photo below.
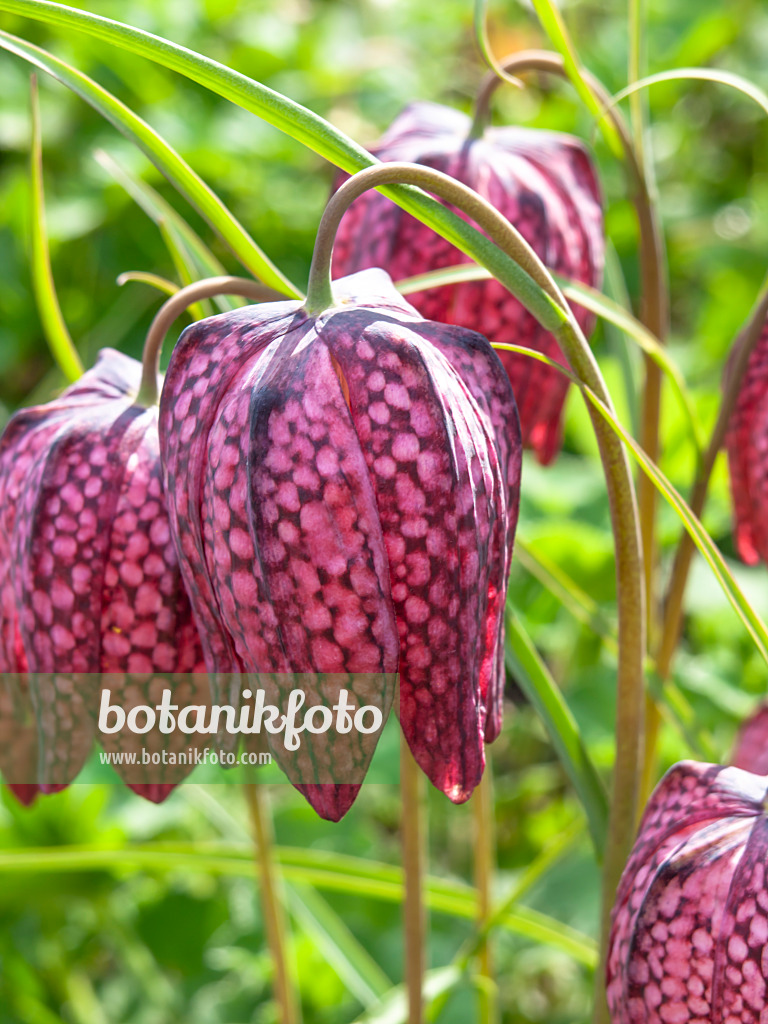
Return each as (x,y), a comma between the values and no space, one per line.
(140,947)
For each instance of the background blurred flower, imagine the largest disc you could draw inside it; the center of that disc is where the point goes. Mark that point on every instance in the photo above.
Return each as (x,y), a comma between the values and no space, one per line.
(545,184)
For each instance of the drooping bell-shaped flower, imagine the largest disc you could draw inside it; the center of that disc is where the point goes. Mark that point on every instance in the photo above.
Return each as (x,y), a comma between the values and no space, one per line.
(343,489)
(89,579)
(545,185)
(746,443)
(689,937)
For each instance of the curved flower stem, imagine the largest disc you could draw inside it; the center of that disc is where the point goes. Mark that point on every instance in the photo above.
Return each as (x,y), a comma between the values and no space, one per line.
(414,914)
(654,312)
(174,307)
(543,299)
(485,857)
(737,367)
(273,912)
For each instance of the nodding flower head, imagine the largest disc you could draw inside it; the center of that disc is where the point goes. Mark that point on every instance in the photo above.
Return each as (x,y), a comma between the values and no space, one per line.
(89,578)
(344,493)
(545,185)
(689,936)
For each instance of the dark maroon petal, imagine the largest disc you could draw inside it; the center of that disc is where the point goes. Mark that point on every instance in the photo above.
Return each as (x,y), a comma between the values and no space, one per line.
(746,442)
(544,183)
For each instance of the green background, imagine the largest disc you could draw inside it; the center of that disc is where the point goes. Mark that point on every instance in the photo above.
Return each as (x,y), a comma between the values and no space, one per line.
(149,946)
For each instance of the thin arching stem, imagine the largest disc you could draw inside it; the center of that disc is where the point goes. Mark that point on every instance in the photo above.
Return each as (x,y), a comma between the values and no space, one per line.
(545,300)
(174,307)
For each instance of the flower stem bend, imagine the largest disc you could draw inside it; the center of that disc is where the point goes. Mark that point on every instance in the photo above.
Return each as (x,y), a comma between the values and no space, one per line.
(174,307)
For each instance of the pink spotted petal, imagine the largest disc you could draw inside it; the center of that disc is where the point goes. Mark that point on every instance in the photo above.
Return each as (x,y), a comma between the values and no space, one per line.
(690,925)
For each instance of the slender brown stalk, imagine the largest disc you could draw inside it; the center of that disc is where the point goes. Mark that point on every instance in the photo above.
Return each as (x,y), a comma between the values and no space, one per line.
(273,912)
(175,306)
(414,914)
(485,860)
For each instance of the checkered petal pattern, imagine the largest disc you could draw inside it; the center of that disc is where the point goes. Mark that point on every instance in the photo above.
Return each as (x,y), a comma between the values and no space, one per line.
(344,491)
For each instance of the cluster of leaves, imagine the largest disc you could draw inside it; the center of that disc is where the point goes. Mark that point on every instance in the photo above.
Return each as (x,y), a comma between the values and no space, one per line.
(88,936)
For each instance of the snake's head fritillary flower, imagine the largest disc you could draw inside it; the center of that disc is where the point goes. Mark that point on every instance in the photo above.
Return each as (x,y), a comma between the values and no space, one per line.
(746,442)
(545,185)
(689,937)
(89,579)
(344,490)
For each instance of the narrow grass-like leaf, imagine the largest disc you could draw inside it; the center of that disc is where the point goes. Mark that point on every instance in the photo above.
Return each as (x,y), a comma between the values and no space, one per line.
(153,280)
(484,44)
(615,289)
(532,675)
(393,1008)
(323,870)
(304,126)
(335,942)
(163,156)
(191,257)
(734,81)
(56,334)
(567,591)
(553,24)
(597,303)
(712,555)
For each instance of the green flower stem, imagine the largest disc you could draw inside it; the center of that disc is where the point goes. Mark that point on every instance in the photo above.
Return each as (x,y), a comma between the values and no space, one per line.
(273,911)
(621,494)
(737,367)
(414,912)
(174,307)
(485,859)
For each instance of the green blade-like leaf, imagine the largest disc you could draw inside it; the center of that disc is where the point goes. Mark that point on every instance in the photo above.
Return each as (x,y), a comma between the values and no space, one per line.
(553,24)
(567,591)
(324,870)
(336,943)
(532,675)
(191,257)
(56,333)
(737,82)
(161,212)
(698,534)
(595,302)
(393,1008)
(153,280)
(304,126)
(164,157)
